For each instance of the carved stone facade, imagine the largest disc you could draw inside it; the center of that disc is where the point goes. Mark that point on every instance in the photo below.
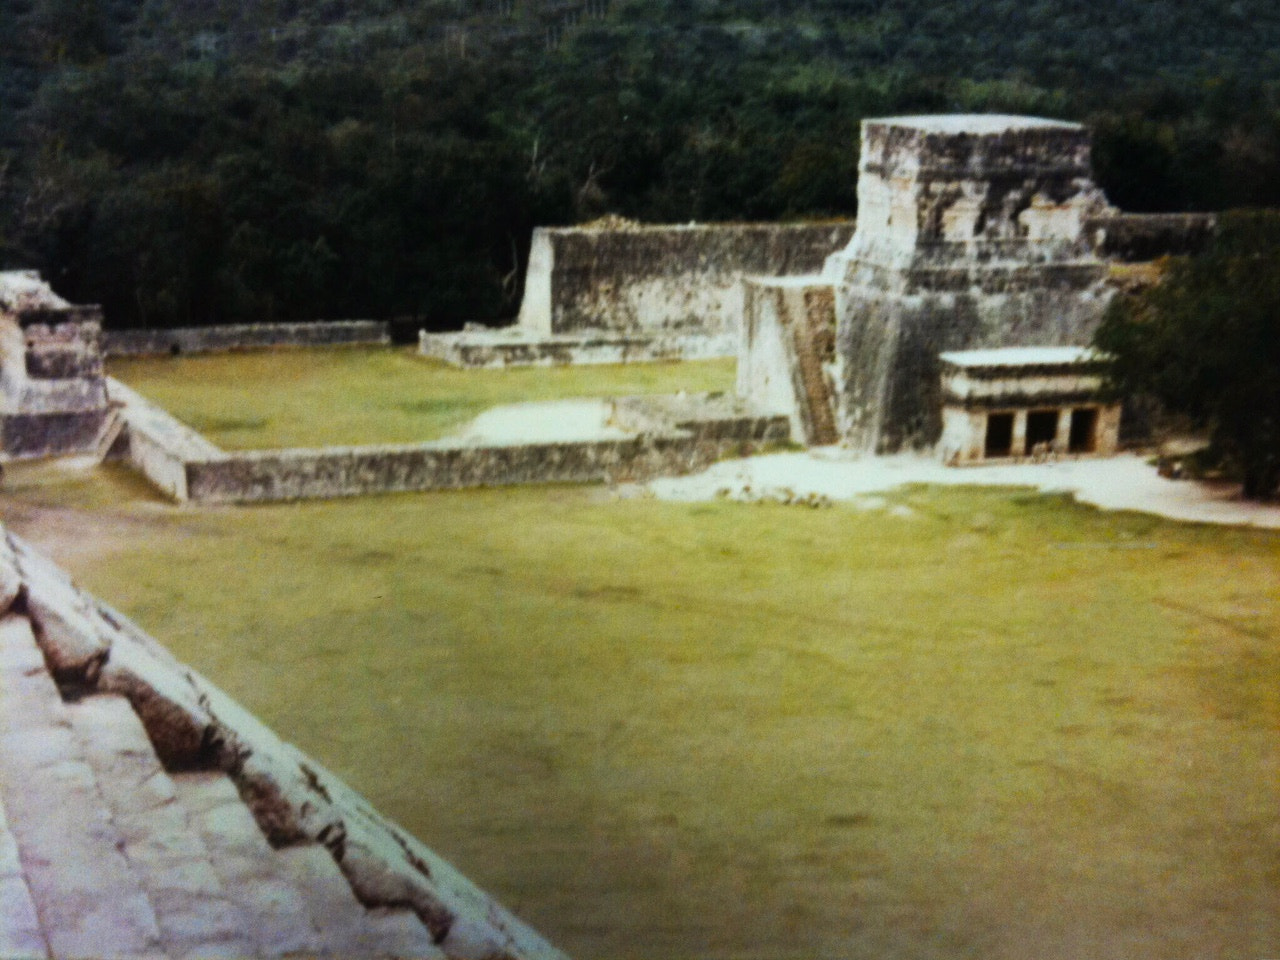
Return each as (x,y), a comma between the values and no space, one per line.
(971,234)
(1018,403)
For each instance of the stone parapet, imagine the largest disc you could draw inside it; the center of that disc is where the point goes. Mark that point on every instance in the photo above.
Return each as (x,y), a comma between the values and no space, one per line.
(515,347)
(319,333)
(186,467)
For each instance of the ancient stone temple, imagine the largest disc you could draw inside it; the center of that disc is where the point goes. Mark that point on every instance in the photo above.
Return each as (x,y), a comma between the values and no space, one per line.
(974,233)
(1019,402)
(971,234)
(53,397)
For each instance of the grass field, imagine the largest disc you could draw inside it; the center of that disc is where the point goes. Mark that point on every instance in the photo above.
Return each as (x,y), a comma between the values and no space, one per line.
(980,724)
(326,397)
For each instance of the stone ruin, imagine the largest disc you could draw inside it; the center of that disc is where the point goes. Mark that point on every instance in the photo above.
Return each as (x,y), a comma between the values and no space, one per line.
(973,233)
(144,813)
(1017,402)
(615,291)
(53,395)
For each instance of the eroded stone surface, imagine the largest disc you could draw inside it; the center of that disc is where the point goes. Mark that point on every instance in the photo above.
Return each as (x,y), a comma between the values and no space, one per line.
(114,827)
(971,233)
(661,278)
(53,397)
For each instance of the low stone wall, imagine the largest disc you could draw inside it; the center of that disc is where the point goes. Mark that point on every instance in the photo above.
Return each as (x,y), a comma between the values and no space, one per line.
(321,333)
(513,347)
(672,440)
(636,278)
(155,443)
(265,476)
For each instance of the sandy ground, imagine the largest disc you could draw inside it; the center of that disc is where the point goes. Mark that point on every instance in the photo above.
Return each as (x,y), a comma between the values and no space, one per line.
(551,421)
(1118,483)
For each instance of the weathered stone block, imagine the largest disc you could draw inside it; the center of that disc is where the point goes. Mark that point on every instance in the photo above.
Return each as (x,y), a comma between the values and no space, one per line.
(65,627)
(10,577)
(66,631)
(177,723)
(90,901)
(52,397)
(787,353)
(971,234)
(20,934)
(634,278)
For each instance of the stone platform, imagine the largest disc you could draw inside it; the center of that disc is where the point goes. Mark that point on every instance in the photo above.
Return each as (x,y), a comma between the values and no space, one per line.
(676,435)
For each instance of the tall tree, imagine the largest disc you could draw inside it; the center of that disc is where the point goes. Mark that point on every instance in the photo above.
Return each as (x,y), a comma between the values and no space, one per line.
(1206,343)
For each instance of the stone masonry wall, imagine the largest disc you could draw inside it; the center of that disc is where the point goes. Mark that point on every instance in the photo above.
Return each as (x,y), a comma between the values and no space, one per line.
(266,476)
(185,466)
(326,333)
(657,279)
(1139,237)
(971,233)
(52,395)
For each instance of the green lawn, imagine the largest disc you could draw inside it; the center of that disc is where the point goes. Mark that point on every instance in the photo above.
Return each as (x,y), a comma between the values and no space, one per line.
(325,397)
(989,725)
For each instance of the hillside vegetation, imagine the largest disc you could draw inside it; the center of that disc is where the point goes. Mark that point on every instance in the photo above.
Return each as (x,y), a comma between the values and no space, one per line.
(190,163)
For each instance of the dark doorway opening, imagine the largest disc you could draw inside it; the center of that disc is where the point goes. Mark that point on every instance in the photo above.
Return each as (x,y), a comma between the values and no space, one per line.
(1084,430)
(1042,428)
(999,435)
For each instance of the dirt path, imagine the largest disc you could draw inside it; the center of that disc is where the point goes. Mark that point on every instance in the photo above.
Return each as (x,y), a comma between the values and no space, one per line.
(1118,483)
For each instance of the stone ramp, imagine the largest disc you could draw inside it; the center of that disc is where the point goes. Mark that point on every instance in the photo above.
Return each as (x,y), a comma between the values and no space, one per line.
(145,814)
(788,345)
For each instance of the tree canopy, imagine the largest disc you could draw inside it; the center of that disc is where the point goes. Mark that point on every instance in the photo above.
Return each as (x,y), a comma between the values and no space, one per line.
(239,160)
(1205,343)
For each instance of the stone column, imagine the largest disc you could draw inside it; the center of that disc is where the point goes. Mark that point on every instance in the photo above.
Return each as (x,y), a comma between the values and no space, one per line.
(1062,439)
(1019,445)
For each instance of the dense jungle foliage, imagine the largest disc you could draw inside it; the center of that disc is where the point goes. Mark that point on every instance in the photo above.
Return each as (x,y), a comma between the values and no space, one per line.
(199,161)
(1205,343)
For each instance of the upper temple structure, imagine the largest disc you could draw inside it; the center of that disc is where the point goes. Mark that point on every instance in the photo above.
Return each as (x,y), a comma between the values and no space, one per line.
(975,233)
(971,234)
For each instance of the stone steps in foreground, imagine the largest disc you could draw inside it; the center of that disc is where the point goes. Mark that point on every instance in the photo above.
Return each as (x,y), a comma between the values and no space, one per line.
(89,900)
(303,901)
(195,915)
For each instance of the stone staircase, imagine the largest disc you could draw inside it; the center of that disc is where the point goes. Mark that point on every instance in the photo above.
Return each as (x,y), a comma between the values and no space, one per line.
(118,839)
(143,863)
(813,344)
